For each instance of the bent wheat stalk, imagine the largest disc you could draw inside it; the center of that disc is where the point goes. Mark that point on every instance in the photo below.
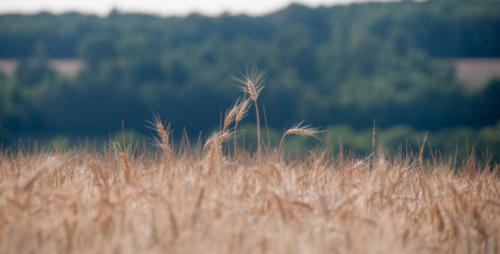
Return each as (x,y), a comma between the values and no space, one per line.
(300,130)
(214,144)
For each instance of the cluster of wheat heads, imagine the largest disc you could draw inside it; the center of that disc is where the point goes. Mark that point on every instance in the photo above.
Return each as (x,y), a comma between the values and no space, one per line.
(126,200)
(252,84)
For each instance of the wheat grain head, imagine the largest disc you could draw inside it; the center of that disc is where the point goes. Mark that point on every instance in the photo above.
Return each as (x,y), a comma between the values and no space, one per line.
(299,129)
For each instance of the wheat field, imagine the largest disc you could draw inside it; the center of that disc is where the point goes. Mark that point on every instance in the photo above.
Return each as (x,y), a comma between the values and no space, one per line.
(83,202)
(216,197)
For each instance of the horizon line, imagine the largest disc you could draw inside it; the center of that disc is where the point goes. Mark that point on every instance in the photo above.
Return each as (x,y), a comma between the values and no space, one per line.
(184,13)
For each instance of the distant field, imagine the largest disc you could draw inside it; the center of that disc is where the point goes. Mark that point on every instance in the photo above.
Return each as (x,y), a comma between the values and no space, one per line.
(68,66)
(474,72)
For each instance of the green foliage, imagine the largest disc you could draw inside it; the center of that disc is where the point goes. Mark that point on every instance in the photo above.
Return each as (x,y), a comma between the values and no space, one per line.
(36,69)
(95,49)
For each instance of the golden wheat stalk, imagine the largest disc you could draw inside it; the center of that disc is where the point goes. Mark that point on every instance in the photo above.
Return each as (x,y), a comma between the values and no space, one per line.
(252,84)
(231,115)
(214,143)
(163,139)
(300,130)
(242,112)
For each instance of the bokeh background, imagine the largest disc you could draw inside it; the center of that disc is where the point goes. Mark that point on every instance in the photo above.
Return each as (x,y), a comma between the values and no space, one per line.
(415,68)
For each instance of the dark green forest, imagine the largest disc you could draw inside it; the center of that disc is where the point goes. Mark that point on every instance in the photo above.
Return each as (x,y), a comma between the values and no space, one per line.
(339,68)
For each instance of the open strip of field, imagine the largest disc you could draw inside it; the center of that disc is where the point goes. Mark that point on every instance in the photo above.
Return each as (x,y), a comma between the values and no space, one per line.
(68,66)
(473,72)
(194,202)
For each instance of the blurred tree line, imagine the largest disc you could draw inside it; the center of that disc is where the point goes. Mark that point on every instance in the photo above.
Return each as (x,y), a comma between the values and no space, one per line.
(341,65)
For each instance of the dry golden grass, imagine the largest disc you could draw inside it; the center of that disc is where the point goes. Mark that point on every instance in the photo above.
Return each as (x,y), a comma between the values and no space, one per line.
(126,200)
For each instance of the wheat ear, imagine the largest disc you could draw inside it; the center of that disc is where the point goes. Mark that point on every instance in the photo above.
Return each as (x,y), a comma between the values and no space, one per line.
(300,130)
(163,139)
(231,115)
(242,112)
(214,143)
(252,84)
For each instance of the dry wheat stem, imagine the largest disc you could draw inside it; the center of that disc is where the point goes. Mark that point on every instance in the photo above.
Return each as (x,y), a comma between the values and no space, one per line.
(258,125)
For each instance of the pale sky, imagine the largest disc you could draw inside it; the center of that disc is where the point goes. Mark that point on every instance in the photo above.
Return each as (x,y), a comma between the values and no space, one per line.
(161,7)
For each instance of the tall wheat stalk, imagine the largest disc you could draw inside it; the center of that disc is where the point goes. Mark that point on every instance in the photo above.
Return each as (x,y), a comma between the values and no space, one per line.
(252,84)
